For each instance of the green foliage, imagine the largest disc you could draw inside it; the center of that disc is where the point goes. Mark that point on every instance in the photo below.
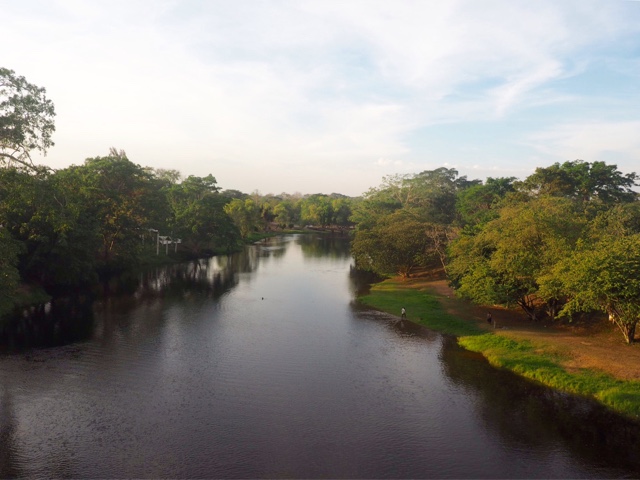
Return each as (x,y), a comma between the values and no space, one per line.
(583,181)
(396,244)
(44,214)
(407,222)
(479,204)
(199,218)
(606,277)
(503,263)
(115,190)
(317,210)
(245,215)
(9,276)
(26,119)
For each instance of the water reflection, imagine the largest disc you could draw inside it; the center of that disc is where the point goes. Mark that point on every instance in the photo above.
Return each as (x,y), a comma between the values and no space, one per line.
(8,466)
(261,365)
(324,246)
(529,416)
(59,322)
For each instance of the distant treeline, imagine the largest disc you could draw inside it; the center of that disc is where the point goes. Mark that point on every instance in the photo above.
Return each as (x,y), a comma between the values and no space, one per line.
(62,228)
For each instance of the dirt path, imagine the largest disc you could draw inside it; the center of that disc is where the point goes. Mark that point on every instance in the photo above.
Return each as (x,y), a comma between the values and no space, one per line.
(596,345)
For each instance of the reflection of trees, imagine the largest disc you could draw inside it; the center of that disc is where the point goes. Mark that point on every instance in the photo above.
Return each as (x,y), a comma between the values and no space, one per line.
(361,281)
(68,320)
(71,319)
(8,466)
(535,416)
(326,246)
(59,322)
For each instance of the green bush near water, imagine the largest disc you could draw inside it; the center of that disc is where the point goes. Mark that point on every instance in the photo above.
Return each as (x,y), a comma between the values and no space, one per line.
(522,357)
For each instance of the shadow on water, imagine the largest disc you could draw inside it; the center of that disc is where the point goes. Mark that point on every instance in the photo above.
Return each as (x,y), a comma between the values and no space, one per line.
(529,416)
(533,416)
(58,322)
(324,246)
(71,319)
(9,468)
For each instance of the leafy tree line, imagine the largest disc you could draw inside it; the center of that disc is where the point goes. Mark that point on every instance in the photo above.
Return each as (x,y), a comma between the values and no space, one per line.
(564,240)
(61,228)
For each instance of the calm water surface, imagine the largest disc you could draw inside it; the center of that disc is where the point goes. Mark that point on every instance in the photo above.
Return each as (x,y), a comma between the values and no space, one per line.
(261,365)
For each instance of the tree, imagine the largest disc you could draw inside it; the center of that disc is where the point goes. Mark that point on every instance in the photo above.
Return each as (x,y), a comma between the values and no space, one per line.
(397,244)
(584,181)
(606,277)
(407,222)
(115,191)
(317,209)
(286,212)
(9,277)
(45,213)
(503,263)
(198,215)
(479,204)
(26,119)
(341,208)
(244,213)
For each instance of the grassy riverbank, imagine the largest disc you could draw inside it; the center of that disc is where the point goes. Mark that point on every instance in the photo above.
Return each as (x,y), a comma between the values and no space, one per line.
(538,361)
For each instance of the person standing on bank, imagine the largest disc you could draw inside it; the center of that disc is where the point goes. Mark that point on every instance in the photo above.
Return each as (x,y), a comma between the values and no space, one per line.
(403,313)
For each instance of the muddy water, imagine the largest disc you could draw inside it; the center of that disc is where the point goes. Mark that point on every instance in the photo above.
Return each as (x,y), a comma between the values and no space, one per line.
(261,365)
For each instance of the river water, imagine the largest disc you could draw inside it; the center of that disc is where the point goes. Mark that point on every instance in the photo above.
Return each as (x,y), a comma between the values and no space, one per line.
(261,365)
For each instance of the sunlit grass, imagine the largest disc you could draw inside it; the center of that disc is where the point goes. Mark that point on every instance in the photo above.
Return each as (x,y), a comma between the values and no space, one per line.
(535,362)
(422,308)
(526,360)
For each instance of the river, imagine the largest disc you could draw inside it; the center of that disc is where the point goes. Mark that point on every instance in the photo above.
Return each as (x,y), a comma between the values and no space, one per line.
(262,365)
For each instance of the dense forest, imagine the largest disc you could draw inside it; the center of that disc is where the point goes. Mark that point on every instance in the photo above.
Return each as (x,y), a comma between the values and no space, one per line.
(564,240)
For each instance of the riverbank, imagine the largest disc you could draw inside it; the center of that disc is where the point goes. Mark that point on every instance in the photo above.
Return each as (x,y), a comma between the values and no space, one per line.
(587,358)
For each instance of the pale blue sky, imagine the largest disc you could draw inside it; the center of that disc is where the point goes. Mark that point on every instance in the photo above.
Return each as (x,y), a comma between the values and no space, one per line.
(330,96)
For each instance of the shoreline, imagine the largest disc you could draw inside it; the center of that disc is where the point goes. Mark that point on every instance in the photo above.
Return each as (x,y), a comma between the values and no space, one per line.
(587,359)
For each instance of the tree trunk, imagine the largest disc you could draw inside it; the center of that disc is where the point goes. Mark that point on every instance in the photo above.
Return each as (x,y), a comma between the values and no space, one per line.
(628,327)
(629,332)
(528,308)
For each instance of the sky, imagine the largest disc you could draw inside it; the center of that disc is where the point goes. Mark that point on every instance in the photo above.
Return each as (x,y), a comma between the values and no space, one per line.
(323,96)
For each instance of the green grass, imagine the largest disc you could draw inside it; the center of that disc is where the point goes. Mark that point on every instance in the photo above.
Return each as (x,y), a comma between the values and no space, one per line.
(422,308)
(534,362)
(523,358)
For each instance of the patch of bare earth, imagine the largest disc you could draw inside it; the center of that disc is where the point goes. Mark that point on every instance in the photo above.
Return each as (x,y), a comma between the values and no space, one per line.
(594,344)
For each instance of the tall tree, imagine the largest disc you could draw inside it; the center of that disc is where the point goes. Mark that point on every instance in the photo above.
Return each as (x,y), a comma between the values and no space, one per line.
(503,263)
(45,212)
(606,277)
(26,119)
(198,216)
(396,244)
(584,181)
(245,215)
(116,189)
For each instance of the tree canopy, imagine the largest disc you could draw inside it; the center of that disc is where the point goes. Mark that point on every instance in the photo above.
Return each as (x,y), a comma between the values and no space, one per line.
(26,119)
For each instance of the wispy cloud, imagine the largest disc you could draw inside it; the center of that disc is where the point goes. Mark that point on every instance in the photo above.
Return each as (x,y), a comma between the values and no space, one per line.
(291,86)
(590,140)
